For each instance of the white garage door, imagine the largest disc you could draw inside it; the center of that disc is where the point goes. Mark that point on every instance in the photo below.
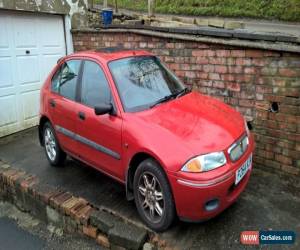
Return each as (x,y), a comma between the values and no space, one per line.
(30,46)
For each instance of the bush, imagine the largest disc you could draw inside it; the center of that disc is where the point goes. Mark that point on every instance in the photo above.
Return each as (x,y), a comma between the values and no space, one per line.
(286,10)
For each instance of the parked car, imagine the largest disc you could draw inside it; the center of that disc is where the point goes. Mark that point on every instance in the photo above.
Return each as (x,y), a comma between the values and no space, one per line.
(178,152)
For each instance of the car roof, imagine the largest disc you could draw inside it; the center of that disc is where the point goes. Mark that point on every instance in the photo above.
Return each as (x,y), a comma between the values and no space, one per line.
(108,54)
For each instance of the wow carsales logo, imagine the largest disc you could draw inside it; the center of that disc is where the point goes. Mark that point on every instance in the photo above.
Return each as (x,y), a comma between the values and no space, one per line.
(267,237)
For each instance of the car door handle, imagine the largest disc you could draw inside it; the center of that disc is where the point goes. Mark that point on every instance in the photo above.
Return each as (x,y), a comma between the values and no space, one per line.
(52,103)
(81,115)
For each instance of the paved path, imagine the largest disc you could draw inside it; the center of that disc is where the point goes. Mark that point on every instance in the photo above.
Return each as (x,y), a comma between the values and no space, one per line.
(269,202)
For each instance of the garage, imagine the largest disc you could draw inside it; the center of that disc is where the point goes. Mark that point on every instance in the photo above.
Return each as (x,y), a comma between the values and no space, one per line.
(30,45)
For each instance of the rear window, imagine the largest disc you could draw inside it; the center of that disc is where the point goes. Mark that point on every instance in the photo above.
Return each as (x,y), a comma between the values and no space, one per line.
(64,80)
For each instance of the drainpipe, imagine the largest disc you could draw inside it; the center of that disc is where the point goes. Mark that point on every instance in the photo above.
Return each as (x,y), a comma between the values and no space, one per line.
(151,4)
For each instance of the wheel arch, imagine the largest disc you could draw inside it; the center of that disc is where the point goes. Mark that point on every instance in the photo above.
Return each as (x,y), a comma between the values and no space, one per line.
(132,167)
(42,122)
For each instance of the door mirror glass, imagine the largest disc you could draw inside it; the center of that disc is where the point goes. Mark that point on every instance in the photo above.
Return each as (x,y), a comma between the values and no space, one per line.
(104,108)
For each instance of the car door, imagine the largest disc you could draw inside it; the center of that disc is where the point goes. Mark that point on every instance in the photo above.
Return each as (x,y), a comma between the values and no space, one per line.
(62,104)
(99,136)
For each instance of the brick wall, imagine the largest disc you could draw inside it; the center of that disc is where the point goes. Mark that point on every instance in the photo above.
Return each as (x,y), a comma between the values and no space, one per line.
(250,80)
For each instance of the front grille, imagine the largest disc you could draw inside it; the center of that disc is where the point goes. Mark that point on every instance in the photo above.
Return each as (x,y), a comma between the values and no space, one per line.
(238,148)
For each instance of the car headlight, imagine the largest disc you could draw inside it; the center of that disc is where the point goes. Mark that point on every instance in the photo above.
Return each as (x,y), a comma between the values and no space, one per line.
(205,163)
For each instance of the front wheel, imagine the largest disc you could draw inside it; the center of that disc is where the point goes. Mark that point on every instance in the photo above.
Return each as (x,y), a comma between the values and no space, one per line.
(54,153)
(153,197)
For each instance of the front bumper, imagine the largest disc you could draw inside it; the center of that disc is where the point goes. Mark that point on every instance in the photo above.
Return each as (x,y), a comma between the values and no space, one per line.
(198,200)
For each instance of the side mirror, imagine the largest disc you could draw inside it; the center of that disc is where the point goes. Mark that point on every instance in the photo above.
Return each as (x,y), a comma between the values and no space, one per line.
(104,108)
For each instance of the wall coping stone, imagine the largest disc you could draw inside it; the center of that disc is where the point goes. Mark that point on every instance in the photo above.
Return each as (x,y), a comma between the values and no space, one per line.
(266,41)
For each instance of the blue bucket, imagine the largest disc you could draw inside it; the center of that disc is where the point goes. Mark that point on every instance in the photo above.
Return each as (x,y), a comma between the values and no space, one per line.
(107,16)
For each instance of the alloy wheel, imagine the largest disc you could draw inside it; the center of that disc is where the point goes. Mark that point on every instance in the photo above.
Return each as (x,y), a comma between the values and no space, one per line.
(50,144)
(151,197)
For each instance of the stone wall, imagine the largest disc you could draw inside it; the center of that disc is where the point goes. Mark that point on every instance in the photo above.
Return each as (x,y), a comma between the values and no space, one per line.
(263,85)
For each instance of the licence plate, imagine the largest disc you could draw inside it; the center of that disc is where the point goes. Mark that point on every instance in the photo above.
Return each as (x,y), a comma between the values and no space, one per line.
(242,171)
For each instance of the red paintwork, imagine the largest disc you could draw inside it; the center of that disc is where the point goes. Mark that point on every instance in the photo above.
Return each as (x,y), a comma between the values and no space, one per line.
(172,133)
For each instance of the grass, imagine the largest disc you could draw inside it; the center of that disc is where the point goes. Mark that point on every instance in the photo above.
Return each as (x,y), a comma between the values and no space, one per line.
(286,10)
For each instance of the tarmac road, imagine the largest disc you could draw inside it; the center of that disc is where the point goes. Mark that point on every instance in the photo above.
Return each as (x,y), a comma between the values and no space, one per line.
(15,238)
(19,231)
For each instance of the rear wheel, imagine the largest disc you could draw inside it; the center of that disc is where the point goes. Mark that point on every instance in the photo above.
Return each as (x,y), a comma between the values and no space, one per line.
(153,197)
(54,153)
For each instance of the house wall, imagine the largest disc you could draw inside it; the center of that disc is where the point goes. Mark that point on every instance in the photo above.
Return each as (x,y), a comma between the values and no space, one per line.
(250,80)
(77,9)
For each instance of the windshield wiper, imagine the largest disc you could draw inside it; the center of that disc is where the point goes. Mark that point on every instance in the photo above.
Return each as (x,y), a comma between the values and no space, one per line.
(67,78)
(164,99)
(183,92)
(171,96)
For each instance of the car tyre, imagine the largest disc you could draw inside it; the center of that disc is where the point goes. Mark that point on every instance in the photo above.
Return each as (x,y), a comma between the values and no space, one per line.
(55,155)
(153,196)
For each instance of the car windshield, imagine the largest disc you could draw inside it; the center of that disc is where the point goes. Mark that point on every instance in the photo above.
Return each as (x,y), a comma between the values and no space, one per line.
(144,82)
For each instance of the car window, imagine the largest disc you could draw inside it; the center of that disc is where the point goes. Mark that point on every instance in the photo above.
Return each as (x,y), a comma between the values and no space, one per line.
(65,79)
(95,88)
(142,81)
(55,81)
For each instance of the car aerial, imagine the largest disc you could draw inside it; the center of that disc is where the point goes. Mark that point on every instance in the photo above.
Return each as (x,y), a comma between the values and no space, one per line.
(179,153)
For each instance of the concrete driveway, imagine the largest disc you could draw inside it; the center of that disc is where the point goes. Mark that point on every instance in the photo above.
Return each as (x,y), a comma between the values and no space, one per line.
(270,202)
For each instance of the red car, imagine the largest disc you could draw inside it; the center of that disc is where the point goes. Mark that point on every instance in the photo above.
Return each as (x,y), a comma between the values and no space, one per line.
(178,152)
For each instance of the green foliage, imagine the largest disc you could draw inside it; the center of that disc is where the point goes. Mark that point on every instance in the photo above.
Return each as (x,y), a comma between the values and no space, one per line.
(287,10)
